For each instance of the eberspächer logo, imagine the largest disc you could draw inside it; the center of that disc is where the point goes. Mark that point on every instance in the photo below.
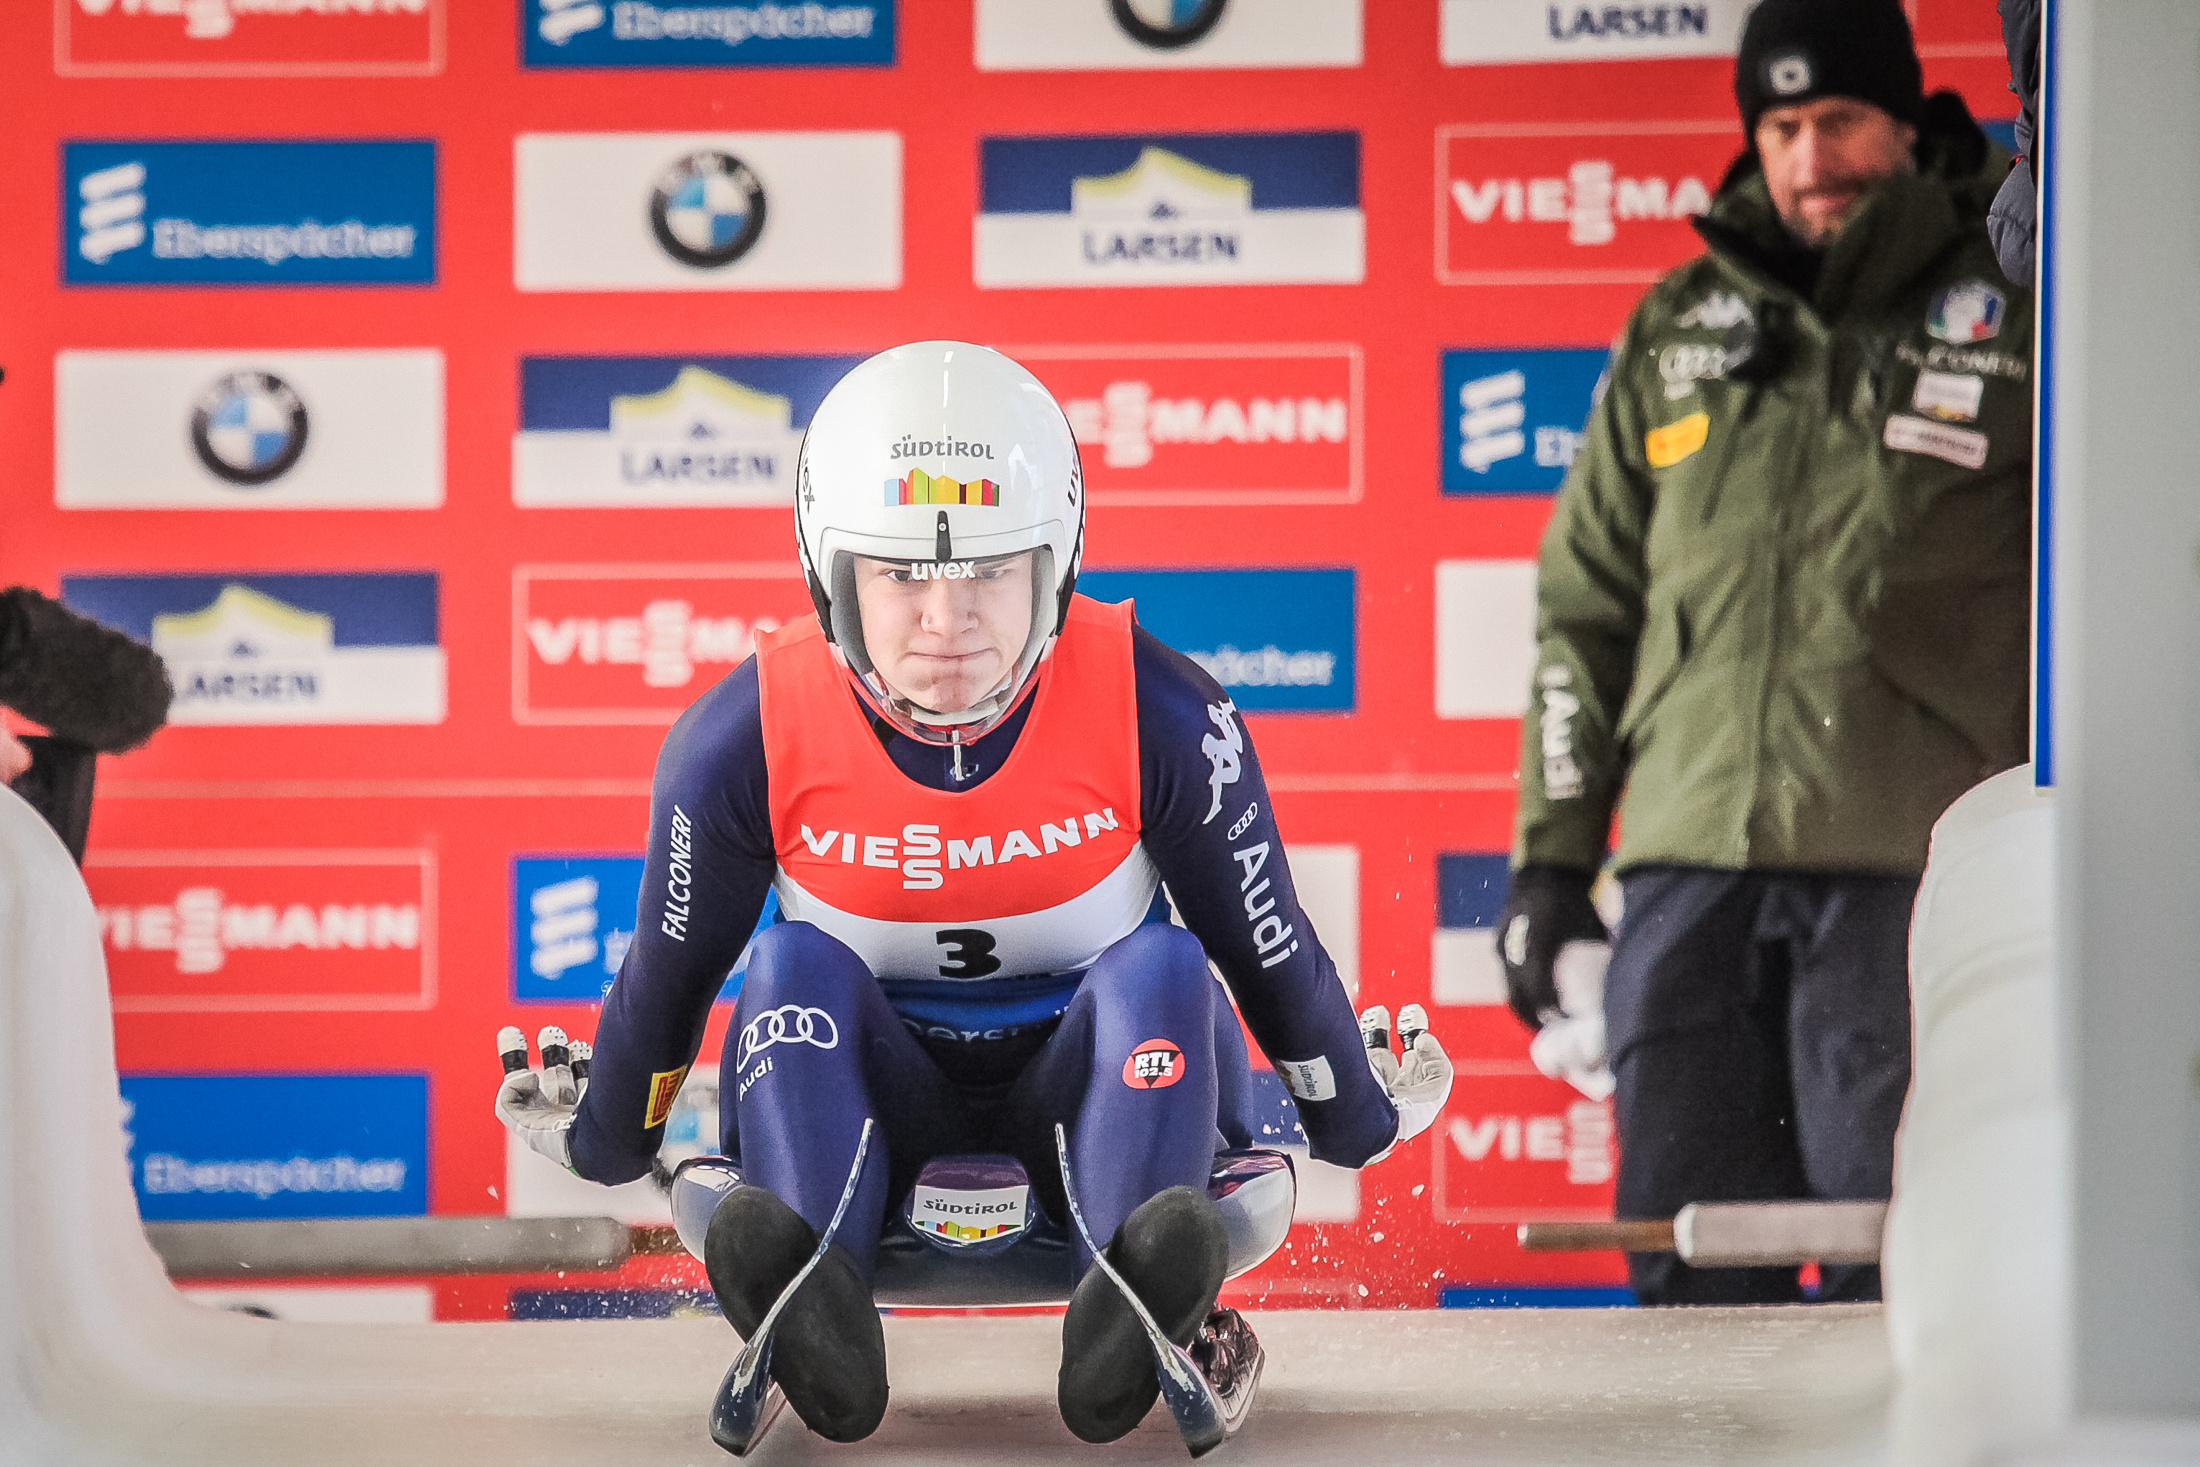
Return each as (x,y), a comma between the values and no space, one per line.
(249,428)
(573,33)
(1278,641)
(573,920)
(248,213)
(1513,419)
(707,210)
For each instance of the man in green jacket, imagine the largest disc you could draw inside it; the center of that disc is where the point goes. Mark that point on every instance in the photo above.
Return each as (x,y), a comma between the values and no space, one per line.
(1783,621)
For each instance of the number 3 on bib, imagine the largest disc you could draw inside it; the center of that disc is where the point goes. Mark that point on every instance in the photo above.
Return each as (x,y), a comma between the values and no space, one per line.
(969,953)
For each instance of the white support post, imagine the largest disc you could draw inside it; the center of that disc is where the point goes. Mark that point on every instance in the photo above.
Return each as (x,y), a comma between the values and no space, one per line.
(2124,135)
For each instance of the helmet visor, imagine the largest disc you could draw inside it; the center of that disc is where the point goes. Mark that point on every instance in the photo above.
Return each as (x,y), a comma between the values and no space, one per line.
(947,638)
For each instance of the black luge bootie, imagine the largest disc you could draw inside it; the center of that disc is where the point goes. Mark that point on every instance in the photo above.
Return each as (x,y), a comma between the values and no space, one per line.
(1172,1252)
(828,1349)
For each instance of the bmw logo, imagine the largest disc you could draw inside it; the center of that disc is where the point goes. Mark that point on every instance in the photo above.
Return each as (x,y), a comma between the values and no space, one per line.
(248,428)
(1167,24)
(707,209)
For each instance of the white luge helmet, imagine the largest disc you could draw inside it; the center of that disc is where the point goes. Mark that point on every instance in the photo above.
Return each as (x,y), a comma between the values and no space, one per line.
(939,451)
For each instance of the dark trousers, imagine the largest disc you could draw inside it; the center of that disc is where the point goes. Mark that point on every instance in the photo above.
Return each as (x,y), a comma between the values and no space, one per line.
(1759,1025)
(1146,1071)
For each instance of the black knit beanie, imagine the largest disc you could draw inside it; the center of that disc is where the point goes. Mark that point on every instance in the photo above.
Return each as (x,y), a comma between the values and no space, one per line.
(1799,50)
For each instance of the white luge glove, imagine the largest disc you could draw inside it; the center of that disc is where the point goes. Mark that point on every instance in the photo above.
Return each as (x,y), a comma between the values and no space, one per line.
(1570,1046)
(538,1108)
(1420,1082)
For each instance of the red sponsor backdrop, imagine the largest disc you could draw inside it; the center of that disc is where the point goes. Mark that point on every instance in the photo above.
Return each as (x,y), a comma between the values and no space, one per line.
(538,755)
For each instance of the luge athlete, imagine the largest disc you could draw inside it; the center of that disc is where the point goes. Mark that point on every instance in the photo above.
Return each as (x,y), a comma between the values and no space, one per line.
(967,786)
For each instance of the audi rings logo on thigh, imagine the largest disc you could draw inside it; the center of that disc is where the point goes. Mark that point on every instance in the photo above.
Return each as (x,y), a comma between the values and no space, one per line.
(790,1023)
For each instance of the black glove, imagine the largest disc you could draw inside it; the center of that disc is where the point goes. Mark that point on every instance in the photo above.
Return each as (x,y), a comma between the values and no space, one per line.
(87,683)
(1547,907)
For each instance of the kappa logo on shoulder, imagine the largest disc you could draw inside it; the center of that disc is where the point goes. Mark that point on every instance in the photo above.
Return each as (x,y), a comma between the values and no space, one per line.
(1225,753)
(1719,311)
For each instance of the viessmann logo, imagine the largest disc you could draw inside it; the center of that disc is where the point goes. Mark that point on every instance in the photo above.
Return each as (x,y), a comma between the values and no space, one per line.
(1516,1146)
(249,37)
(637,644)
(1563,204)
(212,930)
(1254,424)
(919,852)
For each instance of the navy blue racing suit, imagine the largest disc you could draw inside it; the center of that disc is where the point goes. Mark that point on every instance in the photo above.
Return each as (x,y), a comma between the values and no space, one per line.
(986,1066)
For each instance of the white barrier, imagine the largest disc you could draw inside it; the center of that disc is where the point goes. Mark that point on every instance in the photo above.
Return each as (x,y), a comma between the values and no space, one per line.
(1978,1238)
(105,1365)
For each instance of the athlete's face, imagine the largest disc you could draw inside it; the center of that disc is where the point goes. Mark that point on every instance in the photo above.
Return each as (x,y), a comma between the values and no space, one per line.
(945,636)
(1821,156)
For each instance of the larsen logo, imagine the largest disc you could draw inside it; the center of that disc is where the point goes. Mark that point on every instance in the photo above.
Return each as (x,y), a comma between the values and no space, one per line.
(1167,25)
(1480,32)
(1559,204)
(661,431)
(249,428)
(1175,209)
(707,210)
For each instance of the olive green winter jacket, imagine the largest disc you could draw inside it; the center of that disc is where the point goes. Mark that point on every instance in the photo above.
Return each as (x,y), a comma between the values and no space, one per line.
(1783,600)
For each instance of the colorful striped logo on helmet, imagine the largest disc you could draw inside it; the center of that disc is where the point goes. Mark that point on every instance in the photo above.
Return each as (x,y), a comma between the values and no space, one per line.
(919,487)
